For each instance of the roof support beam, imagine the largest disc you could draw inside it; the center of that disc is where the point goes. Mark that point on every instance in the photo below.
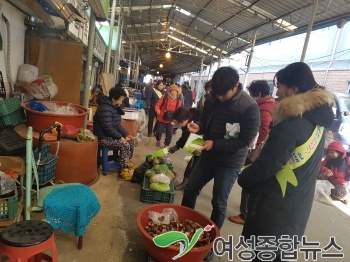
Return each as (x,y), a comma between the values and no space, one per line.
(260,26)
(255,2)
(309,28)
(142,8)
(249,60)
(114,3)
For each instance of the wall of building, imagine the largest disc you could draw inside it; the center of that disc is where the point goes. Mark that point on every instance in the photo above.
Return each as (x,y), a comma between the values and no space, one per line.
(338,81)
(17,34)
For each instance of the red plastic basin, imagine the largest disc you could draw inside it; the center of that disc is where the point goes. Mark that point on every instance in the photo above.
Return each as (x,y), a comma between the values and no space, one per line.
(40,120)
(166,254)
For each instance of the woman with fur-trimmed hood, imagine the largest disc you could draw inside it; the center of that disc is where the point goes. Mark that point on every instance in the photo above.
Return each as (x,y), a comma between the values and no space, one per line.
(281,182)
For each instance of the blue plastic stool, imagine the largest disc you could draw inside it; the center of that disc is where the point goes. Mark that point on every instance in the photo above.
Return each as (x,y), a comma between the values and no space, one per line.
(135,106)
(71,209)
(107,162)
(138,96)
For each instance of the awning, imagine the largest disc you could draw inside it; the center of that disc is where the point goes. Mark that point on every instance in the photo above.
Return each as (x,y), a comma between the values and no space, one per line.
(100,8)
(42,9)
(33,8)
(192,29)
(66,11)
(78,16)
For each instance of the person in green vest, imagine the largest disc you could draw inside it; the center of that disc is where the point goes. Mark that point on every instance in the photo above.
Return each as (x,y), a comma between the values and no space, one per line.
(207,89)
(153,96)
(281,182)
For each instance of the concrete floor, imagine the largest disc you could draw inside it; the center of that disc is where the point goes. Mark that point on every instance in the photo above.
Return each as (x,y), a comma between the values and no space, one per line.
(113,234)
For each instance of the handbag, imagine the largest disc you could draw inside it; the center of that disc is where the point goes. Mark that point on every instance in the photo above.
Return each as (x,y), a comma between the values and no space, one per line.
(253,154)
(168,115)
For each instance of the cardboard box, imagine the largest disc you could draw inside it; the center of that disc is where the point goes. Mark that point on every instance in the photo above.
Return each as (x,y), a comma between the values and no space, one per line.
(130,113)
(131,126)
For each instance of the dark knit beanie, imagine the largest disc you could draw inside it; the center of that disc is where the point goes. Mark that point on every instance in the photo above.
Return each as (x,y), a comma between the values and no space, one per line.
(297,74)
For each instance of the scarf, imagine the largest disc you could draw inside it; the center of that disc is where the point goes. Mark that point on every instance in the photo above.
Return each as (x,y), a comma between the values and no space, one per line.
(339,163)
(172,97)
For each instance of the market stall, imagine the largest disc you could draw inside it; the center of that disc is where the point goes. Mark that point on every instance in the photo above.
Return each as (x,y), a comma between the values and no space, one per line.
(76,162)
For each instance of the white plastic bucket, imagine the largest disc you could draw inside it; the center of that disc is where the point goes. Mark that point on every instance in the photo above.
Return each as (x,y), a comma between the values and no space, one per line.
(27,73)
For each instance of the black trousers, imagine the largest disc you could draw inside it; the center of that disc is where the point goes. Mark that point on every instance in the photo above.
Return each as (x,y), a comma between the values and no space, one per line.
(190,165)
(151,116)
(243,205)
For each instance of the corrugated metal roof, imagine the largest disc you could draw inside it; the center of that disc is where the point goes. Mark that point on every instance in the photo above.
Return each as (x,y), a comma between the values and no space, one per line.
(195,28)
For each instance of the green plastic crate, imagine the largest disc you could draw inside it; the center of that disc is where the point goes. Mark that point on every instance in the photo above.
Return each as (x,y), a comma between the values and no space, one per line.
(151,196)
(13,118)
(10,105)
(8,207)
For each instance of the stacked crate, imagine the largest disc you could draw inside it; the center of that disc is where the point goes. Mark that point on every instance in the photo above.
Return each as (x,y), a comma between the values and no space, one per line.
(11,112)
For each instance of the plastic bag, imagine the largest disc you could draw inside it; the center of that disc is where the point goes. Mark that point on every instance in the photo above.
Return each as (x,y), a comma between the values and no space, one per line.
(162,178)
(7,183)
(34,105)
(162,168)
(160,187)
(157,160)
(170,174)
(323,191)
(142,120)
(165,217)
(50,85)
(61,110)
(85,135)
(157,169)
(32,90)
(150,172)
(67,110)
(52,107)
(140,172)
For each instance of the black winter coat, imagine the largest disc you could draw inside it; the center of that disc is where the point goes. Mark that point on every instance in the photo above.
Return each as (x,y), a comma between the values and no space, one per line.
(185,133)
(187,93)
(240,109)
(152,97)
(107,120)
(269,213)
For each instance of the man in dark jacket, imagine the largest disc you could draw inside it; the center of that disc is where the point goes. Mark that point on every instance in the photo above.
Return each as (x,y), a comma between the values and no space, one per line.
(281,181)
(187,94)
(223,153)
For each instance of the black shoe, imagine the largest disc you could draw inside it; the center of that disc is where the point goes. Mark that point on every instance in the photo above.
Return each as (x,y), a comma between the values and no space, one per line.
(209,256)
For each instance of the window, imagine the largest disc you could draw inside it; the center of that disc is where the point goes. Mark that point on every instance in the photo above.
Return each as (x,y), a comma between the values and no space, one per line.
(272,91)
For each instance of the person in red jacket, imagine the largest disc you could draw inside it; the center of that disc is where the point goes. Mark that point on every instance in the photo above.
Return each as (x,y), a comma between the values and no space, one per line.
(164,108)
(336,169)
(259,90)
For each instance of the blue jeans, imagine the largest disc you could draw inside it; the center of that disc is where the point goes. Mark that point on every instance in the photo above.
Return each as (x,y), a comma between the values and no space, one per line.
(224,179)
